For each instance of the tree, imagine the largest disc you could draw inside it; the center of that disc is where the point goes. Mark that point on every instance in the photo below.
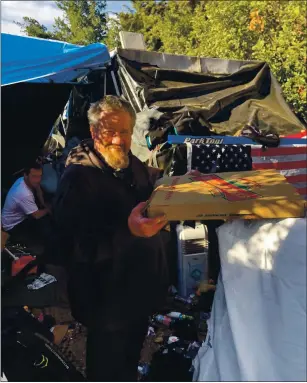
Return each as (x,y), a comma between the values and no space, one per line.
(271,31)
(83,22)
(283,45)
(143,19)
(32,27)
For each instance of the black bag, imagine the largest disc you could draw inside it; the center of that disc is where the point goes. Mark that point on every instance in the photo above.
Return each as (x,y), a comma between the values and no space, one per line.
(28,354)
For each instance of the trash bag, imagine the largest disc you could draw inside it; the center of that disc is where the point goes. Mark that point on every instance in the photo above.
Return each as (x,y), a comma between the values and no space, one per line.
(257,329)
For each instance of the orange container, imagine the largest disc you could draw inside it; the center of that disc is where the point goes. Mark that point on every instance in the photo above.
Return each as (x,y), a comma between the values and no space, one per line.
(18,265)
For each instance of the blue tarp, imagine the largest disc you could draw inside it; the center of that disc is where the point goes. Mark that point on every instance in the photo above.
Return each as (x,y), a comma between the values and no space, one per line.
(27,59)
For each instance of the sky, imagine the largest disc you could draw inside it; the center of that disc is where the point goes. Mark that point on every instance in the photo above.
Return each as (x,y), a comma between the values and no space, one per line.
(43,11)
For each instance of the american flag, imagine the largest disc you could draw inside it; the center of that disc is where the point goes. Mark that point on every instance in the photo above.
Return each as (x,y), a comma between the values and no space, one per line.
(290,161)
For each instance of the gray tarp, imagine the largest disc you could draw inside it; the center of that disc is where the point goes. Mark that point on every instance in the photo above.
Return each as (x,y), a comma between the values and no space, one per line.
(227,91)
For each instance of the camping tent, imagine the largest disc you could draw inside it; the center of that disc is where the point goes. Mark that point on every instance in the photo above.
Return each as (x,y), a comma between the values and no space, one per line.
(36,81)
(33,59)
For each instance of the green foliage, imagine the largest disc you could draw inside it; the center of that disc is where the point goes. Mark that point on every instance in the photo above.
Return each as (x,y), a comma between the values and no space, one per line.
(83,22)
(272,31)
(32,27)
(144,19)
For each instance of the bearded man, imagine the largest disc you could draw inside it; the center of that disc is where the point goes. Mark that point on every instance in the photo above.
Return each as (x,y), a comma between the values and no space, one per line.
(114,258)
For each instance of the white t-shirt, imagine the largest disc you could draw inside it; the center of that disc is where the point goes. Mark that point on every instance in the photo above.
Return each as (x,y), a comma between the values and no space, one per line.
(18,205)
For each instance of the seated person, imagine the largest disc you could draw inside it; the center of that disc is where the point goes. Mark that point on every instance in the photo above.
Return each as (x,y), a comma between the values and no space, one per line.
(25,214)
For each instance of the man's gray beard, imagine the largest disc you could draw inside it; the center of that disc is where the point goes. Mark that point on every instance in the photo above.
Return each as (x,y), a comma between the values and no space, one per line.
(120,161)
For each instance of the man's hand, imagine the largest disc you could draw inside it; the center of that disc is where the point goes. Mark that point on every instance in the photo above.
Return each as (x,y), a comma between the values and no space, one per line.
(144,227)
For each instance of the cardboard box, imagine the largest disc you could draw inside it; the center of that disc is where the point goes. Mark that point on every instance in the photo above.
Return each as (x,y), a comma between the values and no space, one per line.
(248,195)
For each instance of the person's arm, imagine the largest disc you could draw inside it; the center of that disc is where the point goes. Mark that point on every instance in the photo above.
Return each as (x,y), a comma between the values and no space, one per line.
(80,210)
(40,196)
(30,208)
(40,213)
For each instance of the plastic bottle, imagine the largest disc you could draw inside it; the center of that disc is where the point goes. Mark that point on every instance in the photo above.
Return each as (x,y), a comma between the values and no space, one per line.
(178,315)
(167,321)
(143,369)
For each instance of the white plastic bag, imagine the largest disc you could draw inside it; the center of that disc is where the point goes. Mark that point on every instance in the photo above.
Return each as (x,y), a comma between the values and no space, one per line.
(257,331)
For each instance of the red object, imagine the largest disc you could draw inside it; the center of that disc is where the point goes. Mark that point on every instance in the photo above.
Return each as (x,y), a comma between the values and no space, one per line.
(290,161)
(301,134)
(18,265)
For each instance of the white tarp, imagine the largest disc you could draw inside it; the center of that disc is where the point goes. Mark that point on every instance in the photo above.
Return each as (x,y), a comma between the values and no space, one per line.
(257,331)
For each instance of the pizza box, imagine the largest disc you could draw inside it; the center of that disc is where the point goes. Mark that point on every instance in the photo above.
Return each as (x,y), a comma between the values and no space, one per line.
(246,195)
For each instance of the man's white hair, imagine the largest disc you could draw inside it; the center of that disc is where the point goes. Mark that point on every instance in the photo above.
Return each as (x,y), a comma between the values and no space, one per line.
(106,104)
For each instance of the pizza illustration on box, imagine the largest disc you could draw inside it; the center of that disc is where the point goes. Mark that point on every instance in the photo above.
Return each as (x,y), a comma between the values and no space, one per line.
(240,189)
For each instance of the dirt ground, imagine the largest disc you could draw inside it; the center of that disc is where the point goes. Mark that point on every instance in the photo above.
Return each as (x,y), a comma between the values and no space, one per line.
(73,345)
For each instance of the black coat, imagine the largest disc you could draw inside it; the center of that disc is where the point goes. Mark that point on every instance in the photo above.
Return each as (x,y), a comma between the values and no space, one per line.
(113,275)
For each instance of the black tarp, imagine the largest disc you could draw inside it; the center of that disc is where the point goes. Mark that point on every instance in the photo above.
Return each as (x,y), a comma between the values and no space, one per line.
(28,112)
(226,91)
(81,97)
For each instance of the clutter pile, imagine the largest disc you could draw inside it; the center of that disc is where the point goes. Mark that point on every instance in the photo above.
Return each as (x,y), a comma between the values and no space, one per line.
(174,337)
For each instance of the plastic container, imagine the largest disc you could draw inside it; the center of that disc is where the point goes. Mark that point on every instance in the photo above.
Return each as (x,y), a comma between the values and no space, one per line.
(20,263)
(192,257)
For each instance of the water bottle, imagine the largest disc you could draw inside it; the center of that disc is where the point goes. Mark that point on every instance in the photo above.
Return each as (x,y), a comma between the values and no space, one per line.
(143,369)
(177,315)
